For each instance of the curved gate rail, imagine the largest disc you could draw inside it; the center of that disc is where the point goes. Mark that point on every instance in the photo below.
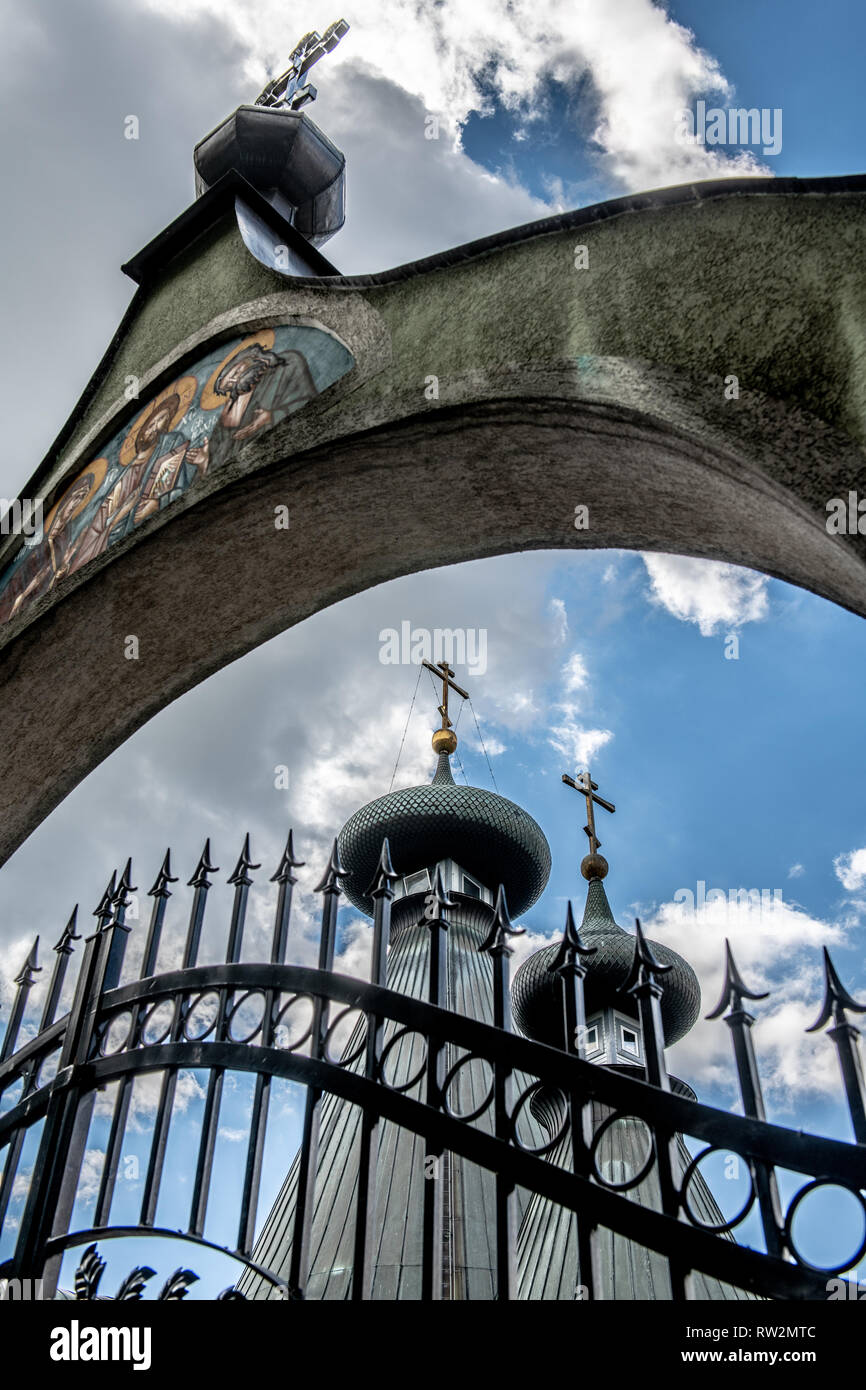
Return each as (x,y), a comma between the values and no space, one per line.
(192,1018)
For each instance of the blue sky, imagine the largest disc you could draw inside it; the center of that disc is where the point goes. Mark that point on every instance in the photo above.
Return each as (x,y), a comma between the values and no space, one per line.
(738,773)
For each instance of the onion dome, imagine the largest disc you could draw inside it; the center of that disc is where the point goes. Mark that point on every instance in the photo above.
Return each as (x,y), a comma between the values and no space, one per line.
(536,992)
(490,837)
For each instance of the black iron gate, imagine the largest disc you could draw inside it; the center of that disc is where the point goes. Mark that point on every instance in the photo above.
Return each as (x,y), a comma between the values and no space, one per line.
(192,1018)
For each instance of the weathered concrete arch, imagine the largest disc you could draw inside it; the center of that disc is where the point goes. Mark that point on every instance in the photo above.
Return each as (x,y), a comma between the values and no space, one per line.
(556,386)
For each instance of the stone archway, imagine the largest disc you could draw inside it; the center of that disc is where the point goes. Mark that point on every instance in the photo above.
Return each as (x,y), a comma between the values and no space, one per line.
(494,391)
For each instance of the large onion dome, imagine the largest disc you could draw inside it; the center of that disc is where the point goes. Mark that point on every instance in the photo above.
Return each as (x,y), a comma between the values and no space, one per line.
(536,992)
(490,837)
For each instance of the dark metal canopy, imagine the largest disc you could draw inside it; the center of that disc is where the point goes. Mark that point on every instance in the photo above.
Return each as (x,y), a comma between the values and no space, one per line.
(285,156)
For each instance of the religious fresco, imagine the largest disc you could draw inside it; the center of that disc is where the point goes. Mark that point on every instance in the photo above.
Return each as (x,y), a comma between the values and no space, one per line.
(193,426)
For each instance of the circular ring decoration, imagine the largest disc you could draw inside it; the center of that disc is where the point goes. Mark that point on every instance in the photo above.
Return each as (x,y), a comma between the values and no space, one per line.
(195,1003)
(278,1022)
(446,1084)
(413,1081)
(116,1034)
(209,398)
(789,1223)
(684,1193)
(238,1004)
(172,403)
(596,1141)
(47,1069)
(347,1060)
(515,1115)
(147,1022)
(12,1094)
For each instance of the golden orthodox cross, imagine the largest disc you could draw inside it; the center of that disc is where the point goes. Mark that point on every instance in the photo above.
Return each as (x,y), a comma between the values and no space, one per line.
(445,674)
(588,788)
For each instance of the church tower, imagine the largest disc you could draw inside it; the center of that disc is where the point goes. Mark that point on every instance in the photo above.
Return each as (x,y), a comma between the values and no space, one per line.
(453,847)
(548,1265)
(461,842)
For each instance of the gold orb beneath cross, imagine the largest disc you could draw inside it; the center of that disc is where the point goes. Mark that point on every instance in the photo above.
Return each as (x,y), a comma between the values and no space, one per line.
(594,866)
(444,741)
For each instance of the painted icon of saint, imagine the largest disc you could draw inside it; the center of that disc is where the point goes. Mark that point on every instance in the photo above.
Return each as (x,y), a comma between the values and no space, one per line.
(151,447)
(257,388)
(41,567)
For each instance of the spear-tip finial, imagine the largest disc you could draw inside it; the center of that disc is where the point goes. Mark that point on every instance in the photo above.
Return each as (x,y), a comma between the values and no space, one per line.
(165,876)
(124,887)
(571,947)
(203,868)
(437,901)
(240,872)
(68,935)
(384,875)
(287,863)
(836,998)
(734,989)
(329,882)
(501,928)
(29,970)
(644,966)
(104,908)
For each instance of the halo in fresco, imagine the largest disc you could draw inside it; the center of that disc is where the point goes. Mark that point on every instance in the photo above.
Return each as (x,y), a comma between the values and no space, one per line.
(174,400)
(209,397)
(193,426)
(76,497)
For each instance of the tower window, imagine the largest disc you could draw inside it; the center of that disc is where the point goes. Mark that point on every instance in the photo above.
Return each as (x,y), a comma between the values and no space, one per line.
(417,883)
(470,887)
(590,1040)
(629,1041)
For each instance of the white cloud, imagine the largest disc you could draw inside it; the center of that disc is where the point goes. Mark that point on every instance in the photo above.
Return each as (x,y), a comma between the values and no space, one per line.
(711,594)
(574,673)
(851,869)
(577,743)
(233,1136)
(796,871)
(456,58)
(778,947)
(571,736)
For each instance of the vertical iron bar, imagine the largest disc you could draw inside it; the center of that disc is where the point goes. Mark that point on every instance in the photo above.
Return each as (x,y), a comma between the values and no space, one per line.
(496,945)
(25,980)
(299,1262)
(262,1094)
(436,905)
(210,1120)
(162,1123)
(570,967)
(642,982)
(67,1122)
(64,949)
(381,891)
(160,893)
(740,1023)
(846,1039)
(10,1170)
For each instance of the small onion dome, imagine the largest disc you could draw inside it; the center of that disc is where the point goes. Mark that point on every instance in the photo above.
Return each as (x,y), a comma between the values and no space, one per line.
(490,837)
(536,993)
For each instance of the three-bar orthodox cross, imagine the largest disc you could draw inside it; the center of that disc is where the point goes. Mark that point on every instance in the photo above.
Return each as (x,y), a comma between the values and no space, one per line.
(286,90)
(445,674)
(589,788)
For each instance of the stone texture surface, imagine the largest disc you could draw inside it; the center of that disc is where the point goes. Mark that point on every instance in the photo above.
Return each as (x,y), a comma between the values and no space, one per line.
(557,386)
